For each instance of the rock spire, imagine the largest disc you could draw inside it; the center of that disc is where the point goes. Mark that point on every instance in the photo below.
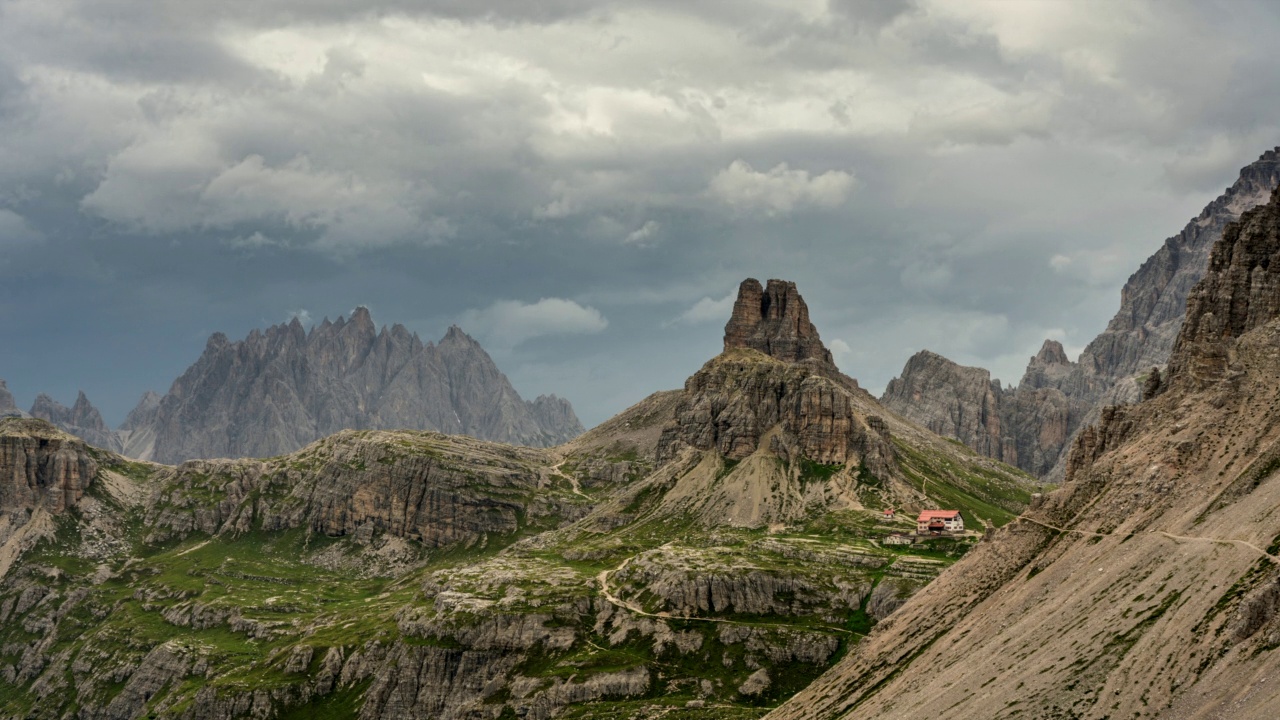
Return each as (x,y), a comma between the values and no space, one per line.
(774,320)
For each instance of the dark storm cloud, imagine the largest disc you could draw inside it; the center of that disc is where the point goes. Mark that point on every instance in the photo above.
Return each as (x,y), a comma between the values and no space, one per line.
(583,184)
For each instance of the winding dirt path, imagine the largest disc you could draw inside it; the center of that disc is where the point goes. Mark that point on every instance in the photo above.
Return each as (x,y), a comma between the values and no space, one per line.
(573,481)
(1177,538)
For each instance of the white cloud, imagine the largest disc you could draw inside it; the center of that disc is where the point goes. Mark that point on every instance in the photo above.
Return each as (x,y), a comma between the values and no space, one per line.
(781,190)
(705,310)
(303,316)
(507,323)
(645,234)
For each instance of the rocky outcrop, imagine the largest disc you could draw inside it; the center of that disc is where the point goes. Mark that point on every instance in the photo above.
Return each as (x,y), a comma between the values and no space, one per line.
(1240,292)
(276,391)
(1057,397)
(735,400)
(41,468)
(775,321)
(432,489)
(1028,426)
(82,420)
(951,400)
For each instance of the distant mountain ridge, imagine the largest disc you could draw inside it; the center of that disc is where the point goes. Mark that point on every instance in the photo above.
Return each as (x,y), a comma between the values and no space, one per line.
(284,387)
(1032,425)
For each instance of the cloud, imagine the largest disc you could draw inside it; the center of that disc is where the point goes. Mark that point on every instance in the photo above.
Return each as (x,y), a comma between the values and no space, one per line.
(302,316)
(913,159)
(507,323)
(705,310)
(779,191)
(645,234)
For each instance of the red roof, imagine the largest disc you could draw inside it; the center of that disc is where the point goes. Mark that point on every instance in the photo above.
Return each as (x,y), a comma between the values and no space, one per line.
(927,515)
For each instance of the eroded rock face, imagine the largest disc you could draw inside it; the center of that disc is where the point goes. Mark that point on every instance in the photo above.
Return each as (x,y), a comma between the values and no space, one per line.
(276,391)
(1028,426)
(40,469)
(951,400)
(775,321)
(428,488)
(737,398)
(1066,396)
(1239,292)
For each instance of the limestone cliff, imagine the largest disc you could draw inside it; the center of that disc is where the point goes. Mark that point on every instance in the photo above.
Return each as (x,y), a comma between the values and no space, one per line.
(276,391)
(1056,397)
(1146,586)
(41,469)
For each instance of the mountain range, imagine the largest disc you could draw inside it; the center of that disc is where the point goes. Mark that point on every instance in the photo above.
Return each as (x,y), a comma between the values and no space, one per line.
(743,547)
(1032,425)
(1148,585)
(707,553)
(280,389)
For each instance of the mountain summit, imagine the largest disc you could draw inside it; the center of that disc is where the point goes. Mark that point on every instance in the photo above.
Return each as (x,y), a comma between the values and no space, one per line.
(279,389)
(774,320)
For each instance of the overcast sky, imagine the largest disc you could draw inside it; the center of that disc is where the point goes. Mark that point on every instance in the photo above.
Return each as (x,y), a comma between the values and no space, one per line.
(582,185)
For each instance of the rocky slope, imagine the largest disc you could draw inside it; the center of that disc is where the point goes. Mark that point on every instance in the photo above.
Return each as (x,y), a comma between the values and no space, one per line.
(1056,397)
(276,391)
(1146,586)
(705,554)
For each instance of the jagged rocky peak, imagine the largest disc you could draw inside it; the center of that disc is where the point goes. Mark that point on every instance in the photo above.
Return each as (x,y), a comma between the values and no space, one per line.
(1052,353)
(773,398)
(81,419)
(1240,291)
(144,412)
(279,389)
(7,405)
(774,320)
(951,400)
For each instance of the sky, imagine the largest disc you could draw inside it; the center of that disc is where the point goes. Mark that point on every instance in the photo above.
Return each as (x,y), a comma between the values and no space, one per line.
(582,185)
